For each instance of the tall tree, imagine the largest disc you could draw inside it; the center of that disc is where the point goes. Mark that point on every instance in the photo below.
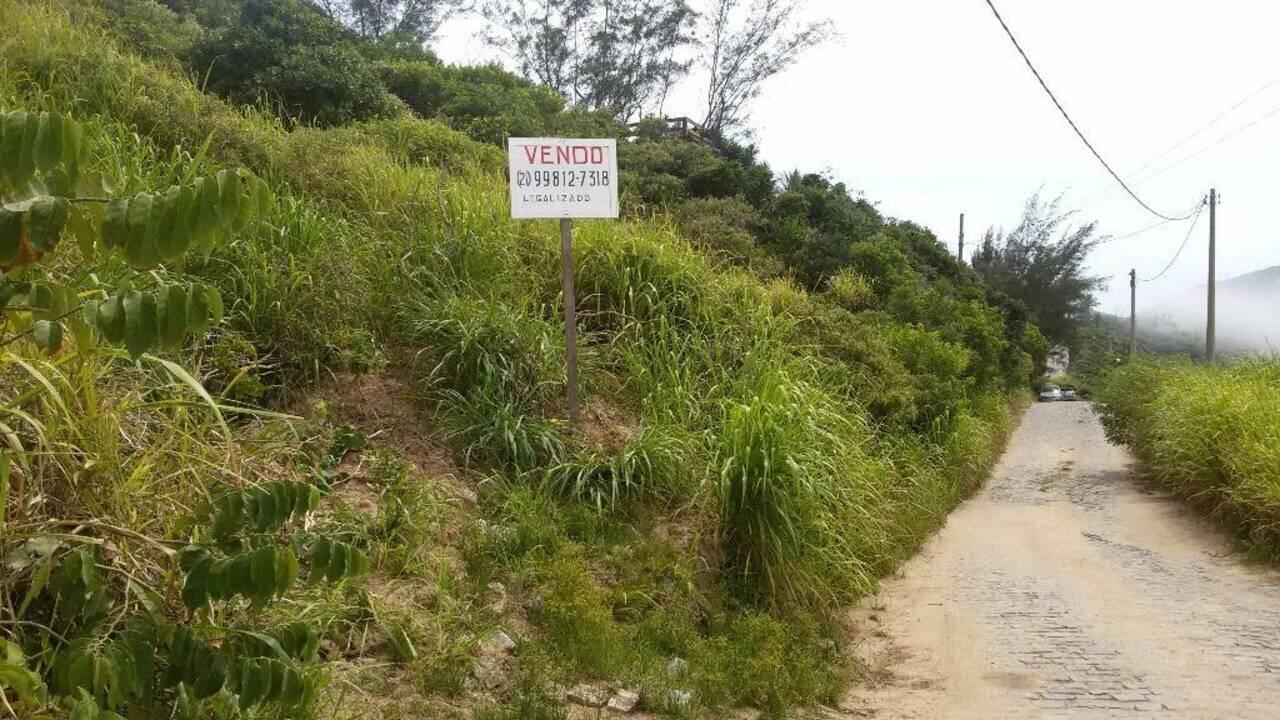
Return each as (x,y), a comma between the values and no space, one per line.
(620,55)
(747,45)
(383,20)
(1042,263)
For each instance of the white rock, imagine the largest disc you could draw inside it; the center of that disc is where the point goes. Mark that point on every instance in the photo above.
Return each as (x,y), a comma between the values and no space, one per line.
(499,642)
(623,701)
(678,667)
(587,695)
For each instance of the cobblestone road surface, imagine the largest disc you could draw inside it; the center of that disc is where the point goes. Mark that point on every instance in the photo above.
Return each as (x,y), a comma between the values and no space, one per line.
(1066,590)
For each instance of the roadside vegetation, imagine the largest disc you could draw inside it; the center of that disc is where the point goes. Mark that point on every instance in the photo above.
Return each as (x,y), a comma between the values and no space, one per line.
(785,391)
(1210,433)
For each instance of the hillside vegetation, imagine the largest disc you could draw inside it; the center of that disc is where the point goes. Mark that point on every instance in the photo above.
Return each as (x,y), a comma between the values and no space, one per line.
(1210,433)
(761,443)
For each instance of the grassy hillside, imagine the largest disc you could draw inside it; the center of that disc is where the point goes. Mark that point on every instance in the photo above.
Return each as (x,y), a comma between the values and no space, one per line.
(755,454)
(1211,433)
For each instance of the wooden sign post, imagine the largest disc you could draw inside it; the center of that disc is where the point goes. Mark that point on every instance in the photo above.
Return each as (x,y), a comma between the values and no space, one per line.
(564,178)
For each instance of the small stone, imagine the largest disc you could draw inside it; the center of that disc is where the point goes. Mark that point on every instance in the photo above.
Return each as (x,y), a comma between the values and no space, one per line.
(535,604)
(587,695)
(678,667)
(499,642)
(679,699)
(486,674)
(623,701)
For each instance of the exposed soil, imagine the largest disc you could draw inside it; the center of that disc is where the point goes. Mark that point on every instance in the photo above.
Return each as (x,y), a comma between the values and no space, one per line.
(1065,589)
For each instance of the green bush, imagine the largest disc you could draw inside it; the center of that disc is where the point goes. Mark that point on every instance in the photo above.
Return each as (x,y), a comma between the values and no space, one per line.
(287,53)
(1209,432)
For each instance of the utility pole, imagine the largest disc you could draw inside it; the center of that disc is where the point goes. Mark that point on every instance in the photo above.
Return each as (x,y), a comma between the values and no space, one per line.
(961,237)
(570,318)
(1133,312)
(1211,322)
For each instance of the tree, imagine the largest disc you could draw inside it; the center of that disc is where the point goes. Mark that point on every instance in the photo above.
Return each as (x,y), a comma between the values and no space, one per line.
(1041,262)
(620,55)
(744,52)
(291,53)
(414,21)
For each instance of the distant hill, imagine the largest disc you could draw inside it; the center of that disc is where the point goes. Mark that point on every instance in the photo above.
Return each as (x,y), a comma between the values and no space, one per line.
(1248,312)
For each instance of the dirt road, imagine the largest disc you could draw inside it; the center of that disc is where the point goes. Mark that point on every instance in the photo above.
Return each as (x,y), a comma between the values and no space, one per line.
(1066,590)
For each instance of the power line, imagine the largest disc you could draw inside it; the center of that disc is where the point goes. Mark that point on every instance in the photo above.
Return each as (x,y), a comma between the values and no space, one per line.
(1185,139)
(1152,226)
(1190,230)
(1071,122)
(1247,126)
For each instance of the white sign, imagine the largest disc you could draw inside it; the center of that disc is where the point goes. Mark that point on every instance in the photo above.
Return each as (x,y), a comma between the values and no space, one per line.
(563,178)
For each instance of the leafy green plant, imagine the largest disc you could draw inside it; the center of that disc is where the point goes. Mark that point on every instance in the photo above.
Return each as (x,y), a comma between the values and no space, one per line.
(602,478)
(103,646)
(44,193)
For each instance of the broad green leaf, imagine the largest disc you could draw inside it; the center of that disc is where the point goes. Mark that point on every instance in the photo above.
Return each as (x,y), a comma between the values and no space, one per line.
(197,309)
(214,300)
(10,235)
(72,146)
(27,159)
(195,592)
(48,217)
(263,573)
(49,139)
(339,559)
(286,570)
(139,322)
(115,224)
(282,498)
(205,213)
(241,574)
(212,677)
(320,555)
(292,687)
(264,518)
(228,197)
(48,335)
(168,239)
(43,299)
(85,708)
(139,247)
(184,220)
(171,315)
(110,319)
(253,683)
(12,157)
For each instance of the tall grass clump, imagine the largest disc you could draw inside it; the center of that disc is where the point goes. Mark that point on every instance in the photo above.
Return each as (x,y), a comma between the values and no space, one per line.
(1210,433)
(785,494)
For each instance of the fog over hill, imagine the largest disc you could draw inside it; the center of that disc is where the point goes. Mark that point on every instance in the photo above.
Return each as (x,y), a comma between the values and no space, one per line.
(1248,312)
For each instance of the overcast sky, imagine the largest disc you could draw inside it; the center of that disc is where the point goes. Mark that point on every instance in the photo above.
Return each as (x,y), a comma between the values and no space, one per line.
(924,106)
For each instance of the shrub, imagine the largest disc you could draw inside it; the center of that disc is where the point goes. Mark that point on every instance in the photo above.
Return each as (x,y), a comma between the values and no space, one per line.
(287,52)
(1209,432)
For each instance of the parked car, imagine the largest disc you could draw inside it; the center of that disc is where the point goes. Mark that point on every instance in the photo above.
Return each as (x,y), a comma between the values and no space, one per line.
(1069,393)
(1050,393)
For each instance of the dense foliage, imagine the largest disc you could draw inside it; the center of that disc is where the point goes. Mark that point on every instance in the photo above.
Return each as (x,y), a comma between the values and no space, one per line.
(760,450)
(1042,263)
(1207,432)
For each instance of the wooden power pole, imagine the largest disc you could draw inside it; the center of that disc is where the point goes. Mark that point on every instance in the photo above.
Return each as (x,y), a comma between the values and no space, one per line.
(961,253)
(1133,312)
(1211,322)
